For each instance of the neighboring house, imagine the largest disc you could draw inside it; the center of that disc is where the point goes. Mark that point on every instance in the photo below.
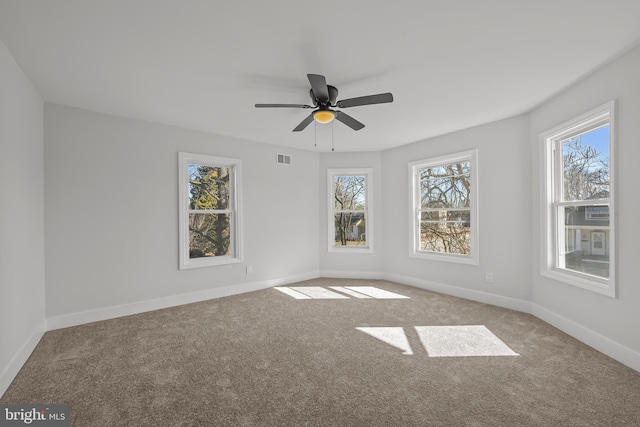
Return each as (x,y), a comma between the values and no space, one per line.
(354,225)
(587,232)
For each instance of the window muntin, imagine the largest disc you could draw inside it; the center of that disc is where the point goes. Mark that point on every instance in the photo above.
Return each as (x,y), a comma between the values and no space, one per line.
(578,224)
(349,215)
(209,200)
(444,217)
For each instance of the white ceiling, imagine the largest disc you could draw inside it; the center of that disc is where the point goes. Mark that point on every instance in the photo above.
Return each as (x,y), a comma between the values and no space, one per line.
(204,64)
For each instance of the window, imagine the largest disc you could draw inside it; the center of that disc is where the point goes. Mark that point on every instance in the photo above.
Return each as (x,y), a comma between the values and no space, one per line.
(444,214)
(597,212)
(350,221)
(578,220)
(209,192)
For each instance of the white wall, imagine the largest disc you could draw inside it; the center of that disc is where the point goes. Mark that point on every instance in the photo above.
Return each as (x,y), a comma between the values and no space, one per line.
(22,293)
(111,198)
(360,265)
(611,319)
(504,214)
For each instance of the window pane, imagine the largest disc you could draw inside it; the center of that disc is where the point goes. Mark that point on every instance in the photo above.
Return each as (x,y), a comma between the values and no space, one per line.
(209,235)
(350,229)
(586,241)
(445,232)
(445,186)
(209,187)
(349,192)
(585,160)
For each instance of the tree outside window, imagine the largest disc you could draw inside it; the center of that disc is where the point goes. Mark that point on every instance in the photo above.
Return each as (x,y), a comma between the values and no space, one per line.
(585,190)
(578,220)
(445,208)
(350,219)
(444,215)
(209,191)
(209,214)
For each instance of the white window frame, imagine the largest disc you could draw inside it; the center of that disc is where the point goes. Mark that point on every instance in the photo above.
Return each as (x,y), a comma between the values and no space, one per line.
(470,156)
(368,212)
(551,165)
(184,160)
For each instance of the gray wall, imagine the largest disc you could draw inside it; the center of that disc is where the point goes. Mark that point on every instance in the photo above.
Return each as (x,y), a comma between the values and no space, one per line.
(22,292)
(615,319)
(111,200)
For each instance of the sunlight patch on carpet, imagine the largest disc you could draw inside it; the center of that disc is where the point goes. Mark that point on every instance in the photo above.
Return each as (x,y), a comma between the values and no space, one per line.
(318,292)
(394,336)
(292,293)
(349,292)
(376,293)
(456,341)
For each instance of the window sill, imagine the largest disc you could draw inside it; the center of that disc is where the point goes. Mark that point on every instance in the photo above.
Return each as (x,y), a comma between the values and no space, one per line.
(351,249)
(459,259)
(601,286)
(208,262)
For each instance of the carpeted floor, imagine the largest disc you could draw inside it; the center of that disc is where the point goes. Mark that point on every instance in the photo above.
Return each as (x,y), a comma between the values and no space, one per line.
(268,359)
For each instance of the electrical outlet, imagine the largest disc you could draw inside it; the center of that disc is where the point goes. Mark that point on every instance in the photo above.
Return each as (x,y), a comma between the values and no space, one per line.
(249,269)
(488,277)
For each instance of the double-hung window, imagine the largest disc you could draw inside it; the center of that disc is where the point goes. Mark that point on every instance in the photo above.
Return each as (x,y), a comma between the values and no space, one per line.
(209,193)
(444,208)
(350,219)
(578,220)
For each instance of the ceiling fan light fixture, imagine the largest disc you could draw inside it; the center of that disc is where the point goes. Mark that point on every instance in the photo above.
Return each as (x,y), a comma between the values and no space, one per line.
(324,116)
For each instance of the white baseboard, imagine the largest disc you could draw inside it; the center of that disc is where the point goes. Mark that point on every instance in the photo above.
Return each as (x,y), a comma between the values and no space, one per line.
(605,345)
(106,313)
(470,294)
(14,366)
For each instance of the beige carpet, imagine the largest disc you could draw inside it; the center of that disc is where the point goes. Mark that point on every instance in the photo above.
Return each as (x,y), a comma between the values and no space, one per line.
(267,358)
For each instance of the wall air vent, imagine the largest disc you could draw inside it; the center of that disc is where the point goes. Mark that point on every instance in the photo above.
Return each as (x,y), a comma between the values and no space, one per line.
(283,159)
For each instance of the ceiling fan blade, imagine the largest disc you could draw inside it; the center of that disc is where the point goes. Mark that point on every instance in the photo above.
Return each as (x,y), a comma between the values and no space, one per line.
(303,124)
(348,120)
(319,86)
(283,106)
(380,98)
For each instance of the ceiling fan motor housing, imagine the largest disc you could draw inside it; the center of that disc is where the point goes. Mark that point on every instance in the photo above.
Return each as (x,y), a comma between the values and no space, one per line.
(333,96)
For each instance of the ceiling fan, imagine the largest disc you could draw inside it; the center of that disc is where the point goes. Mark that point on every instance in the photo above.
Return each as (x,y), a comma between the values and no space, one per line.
(324,97)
